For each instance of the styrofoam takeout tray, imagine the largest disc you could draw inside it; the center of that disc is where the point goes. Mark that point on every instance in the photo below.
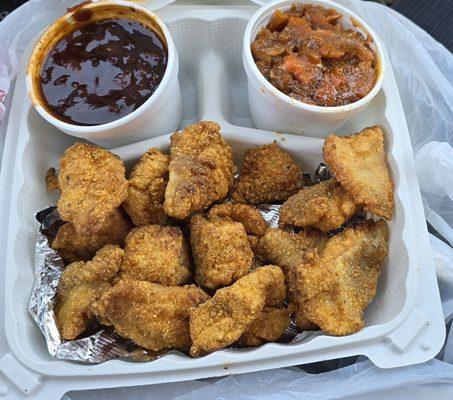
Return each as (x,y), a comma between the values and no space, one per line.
(404,324)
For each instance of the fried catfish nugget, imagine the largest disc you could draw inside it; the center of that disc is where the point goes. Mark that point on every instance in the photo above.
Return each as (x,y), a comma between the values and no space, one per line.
(146,193)
(358,163)
(220,250)
(153,316)
(288,250)
(337,286)
(325,206)
(73,246)
(224,318)
(80,285)
(269,175)
(254,224)
(268,327)
(201,169)
(92,183)
(156,253)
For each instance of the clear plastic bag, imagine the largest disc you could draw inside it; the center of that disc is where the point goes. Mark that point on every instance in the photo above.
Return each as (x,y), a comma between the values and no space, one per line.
(424,73)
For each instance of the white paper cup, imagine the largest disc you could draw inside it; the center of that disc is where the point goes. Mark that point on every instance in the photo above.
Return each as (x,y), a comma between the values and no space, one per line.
(272,110)
(161,113)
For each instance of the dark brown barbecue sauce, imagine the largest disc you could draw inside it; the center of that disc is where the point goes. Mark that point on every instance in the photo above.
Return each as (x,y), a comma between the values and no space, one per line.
(102,71)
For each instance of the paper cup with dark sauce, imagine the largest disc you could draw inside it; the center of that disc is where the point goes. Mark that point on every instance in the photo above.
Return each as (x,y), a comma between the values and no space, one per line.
(162,111)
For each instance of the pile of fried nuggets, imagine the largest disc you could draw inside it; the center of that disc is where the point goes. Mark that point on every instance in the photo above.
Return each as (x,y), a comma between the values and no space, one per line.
(170,263)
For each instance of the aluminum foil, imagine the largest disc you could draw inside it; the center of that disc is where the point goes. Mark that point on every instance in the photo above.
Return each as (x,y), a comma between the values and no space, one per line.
(102,343)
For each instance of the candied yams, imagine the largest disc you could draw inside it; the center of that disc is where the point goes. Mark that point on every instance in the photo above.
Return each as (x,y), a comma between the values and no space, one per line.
(306,53)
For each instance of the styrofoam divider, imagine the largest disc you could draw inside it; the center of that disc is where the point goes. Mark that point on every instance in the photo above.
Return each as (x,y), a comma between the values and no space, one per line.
(404,323)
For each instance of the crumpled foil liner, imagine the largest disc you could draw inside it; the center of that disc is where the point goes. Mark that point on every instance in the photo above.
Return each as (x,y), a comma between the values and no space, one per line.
(104,344)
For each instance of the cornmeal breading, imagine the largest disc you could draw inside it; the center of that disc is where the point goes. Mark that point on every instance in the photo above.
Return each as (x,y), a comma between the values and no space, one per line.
(220,250)
(80,285)
(358,163)
(224,318)
(93,184)
(268,327)
(336,286)
(201,169)
(146,194)
(269,175)
(325,206)
(156,253)
(288,250)
(155,317)
(73,246)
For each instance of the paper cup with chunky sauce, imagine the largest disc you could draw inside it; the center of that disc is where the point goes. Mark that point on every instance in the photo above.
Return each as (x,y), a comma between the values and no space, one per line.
(144,112)
(273,110)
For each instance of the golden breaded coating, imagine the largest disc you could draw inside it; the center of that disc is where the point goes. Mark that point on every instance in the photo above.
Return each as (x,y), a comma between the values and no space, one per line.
(220,250)
(268,175)
(250,217)
(80,285)
(224,318)
(254,224)
(73,246)
(146,193)
(156,253)
(358,163)
(337,286)
(325,206)
(268,327)
(288,250)
(92,183)
(155,317)
(201,169)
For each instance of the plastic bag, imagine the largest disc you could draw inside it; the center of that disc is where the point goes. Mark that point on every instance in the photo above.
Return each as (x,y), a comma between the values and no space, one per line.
(424,73)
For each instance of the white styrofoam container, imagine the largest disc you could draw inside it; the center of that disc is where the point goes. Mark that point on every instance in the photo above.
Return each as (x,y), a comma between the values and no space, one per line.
(404,323)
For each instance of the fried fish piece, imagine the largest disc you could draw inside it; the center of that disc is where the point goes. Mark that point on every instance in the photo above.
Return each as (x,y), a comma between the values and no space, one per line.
(156,253)
(288,250)
(220,250)
(269,175)
(92,183)
(201,169)
(224,318)
(73,246)
(325,206)
(268,327)
(146,193)
(247,215)
(81,284)
(254,224)
(358,163)
(337,286)
(155,317)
